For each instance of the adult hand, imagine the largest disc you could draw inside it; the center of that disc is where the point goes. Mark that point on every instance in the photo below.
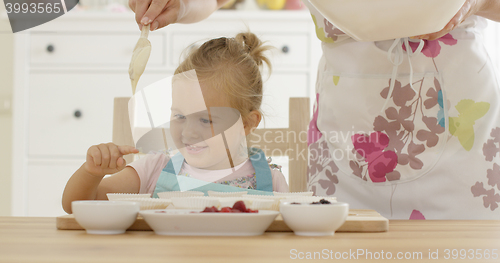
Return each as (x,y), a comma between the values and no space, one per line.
(470,7)
(158,13)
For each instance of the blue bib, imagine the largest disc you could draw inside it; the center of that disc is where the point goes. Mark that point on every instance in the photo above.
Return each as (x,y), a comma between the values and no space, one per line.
(169,180)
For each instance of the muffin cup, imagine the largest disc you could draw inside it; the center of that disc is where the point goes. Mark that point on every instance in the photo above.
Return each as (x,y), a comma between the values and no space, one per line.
(293,194)
(195,202)
(151,203)
(170,194)
(226,194)
(121,196)
(263,204)
(276,199)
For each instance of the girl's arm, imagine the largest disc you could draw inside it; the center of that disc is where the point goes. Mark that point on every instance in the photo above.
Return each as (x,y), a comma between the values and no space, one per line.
(87,182)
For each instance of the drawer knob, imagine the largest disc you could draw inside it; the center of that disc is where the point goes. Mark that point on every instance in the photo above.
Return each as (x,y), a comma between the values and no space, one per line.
(50,48)
(285,49)
(77,114)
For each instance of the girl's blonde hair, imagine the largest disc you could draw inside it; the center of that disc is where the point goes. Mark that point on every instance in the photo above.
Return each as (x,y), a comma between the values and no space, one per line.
(232,67)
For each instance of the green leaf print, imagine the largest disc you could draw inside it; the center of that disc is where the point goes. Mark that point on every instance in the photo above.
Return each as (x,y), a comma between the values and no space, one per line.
(320,33)
(462,126)
(336,80)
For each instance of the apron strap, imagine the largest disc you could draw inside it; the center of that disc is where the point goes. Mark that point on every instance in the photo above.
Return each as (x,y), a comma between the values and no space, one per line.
(262,170)
(174,165)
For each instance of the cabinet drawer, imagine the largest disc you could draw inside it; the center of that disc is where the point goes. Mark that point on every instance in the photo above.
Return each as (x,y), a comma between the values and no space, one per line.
(291,49)
(96,50)
(54,128)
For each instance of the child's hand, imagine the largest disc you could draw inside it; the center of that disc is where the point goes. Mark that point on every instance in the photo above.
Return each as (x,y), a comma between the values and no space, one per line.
(107,158)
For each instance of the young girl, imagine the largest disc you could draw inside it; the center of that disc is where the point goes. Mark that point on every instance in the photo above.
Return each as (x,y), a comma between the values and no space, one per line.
(211,114)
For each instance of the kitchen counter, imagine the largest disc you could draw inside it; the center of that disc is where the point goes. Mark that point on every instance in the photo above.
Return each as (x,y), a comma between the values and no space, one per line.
(36,239)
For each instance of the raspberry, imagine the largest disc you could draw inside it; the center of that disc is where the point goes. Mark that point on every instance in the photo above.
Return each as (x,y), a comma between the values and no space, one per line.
(212,209)
(240,205)
(226,209)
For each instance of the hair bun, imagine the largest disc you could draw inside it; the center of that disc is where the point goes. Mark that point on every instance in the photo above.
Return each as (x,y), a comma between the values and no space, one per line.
(254,47)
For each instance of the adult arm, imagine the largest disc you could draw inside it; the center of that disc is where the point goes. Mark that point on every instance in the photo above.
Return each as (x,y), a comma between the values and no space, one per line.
(160,13)
(489,9)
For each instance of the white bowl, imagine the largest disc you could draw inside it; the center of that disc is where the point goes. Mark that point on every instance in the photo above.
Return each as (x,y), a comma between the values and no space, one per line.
(308,199)
(314,220)
(105,217)
(374,20)
(193,223)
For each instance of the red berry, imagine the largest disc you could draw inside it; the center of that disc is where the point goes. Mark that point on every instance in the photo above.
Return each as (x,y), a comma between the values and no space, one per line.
(226,209)
(240,205)
(235,211)
(212,209)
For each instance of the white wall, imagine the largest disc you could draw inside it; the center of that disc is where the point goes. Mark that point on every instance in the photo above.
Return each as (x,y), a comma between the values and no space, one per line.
(6,57)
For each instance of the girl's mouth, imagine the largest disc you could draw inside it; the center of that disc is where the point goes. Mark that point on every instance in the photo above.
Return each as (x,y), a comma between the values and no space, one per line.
(193,149)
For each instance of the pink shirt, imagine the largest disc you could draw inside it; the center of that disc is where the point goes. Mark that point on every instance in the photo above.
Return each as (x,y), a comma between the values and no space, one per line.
(150,166)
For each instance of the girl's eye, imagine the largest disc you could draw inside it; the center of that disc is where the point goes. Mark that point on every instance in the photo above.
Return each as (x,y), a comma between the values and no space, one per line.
(179,117)
(205,121)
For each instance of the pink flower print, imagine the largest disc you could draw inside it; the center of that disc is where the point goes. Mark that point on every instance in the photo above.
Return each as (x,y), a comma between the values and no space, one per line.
(356,169)
(432,48)
(330,183)
(416,215)
(391,129)
(331,31)
(411,158)
(431,135)
(393,176)
(491,147)
(436,97)
(400,95)
(313,133)
(490,198)
(372,147)
(400,117)
(493,176)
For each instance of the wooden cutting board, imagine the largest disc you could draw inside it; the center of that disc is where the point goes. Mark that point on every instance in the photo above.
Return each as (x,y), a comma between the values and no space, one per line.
(357,221)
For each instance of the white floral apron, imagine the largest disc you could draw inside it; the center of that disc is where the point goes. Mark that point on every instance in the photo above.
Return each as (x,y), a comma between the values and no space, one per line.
(408,128)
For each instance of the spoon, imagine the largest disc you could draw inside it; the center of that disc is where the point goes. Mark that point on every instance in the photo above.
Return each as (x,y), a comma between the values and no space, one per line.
(140,57)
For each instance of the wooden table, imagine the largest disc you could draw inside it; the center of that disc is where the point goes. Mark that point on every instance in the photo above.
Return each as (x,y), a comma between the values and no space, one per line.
(29,239)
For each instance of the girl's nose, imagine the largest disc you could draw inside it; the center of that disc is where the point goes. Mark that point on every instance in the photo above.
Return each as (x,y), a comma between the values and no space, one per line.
(190,130)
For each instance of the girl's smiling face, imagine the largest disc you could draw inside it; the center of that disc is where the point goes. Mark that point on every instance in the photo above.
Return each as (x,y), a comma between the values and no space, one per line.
(203,124)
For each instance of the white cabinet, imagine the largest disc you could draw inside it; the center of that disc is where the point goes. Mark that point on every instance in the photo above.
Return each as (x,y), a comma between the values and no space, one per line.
(68,71)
